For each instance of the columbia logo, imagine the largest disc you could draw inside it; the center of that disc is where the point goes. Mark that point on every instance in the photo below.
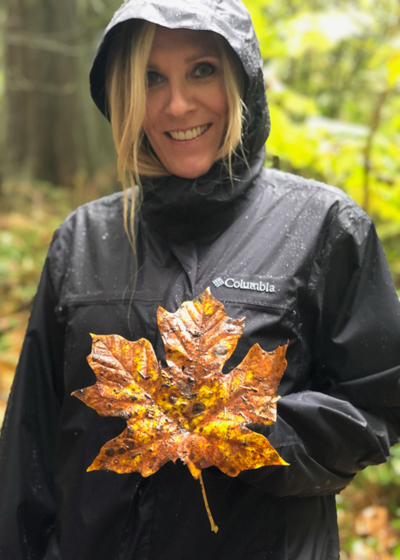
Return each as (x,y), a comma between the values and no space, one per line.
(236,284)
(218,282)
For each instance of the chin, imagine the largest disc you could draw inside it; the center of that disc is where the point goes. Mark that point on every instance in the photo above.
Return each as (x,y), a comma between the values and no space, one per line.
(192,175)
(191,171)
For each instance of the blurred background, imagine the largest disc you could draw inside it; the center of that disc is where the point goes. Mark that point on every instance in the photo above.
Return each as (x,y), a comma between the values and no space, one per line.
(332,69)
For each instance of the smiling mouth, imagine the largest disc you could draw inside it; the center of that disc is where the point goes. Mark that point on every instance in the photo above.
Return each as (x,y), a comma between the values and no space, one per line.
(192,134)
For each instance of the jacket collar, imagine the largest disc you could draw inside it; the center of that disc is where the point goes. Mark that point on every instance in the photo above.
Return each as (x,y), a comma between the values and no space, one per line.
(198,210)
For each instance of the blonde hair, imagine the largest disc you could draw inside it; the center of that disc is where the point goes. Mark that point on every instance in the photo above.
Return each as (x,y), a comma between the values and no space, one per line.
(126,92)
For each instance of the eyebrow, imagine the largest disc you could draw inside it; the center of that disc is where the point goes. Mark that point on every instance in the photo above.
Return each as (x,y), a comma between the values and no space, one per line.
(202,53)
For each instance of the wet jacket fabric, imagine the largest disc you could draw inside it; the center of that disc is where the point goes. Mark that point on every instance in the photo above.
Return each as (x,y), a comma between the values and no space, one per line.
(302,262)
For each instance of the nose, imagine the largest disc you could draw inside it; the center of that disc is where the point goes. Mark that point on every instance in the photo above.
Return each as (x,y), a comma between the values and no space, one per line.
(180,101)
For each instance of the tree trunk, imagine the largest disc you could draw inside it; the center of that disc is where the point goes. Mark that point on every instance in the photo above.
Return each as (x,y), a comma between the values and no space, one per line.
(51,131)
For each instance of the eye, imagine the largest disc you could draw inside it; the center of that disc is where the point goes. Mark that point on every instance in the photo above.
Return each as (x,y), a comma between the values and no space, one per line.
(204,70)
(153,79)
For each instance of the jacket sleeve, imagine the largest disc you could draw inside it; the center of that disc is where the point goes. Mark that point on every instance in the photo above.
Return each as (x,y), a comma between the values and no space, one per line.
(351,416)
(27,514)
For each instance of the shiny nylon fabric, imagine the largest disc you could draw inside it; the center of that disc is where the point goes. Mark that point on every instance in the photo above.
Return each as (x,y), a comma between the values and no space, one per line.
(333,302)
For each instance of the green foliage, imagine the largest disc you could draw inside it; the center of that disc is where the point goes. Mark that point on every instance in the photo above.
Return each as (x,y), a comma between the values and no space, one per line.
(332,71)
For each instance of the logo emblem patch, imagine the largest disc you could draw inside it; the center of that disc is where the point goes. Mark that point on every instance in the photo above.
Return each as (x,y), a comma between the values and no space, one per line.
(242,285)
(218,282)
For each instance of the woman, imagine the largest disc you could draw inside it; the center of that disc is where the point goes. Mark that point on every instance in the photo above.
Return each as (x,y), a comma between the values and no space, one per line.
(299,259)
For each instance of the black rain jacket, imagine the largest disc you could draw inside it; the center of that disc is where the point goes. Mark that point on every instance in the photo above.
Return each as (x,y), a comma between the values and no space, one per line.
(299,259)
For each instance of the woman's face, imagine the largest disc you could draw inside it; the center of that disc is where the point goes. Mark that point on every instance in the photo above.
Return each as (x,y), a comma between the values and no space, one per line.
(186,106)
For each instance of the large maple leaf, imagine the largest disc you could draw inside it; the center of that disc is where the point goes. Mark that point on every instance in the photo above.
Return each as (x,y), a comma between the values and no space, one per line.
(189,410)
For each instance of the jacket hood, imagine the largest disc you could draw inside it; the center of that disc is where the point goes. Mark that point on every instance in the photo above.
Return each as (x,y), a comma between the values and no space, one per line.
(228,18)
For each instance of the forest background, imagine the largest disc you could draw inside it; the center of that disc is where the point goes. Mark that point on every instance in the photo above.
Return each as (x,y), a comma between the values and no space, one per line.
(332,69)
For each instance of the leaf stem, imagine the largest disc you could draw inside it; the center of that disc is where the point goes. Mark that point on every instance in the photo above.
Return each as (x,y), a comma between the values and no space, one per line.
(214,528)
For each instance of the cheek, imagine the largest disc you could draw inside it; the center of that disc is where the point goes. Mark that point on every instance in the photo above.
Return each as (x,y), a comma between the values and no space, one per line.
(147,123)
(152,114)
(220,103)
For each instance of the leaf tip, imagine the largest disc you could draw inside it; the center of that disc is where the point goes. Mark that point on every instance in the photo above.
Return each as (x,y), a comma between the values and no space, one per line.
(79,393)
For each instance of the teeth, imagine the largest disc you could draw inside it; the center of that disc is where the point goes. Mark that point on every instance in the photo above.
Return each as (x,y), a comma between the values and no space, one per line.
(189,134)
